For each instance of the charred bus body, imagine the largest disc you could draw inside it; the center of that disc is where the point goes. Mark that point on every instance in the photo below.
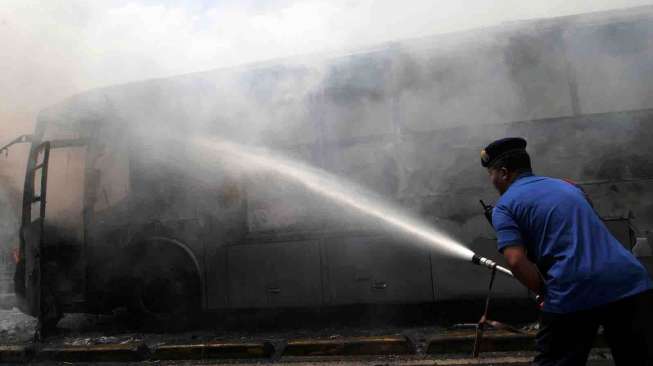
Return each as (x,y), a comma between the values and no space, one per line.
(117,213)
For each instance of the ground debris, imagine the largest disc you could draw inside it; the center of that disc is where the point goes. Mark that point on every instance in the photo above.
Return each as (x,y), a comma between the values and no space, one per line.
(16,327)
(90,341)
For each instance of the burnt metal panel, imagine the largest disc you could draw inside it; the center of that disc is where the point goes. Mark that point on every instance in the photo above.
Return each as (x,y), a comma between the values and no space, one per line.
(622,230)
(274,275)
(647,262)
(377,269)
(32,238)
(621,53)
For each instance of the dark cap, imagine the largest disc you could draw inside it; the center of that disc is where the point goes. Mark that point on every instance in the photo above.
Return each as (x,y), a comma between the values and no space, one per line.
(501,148)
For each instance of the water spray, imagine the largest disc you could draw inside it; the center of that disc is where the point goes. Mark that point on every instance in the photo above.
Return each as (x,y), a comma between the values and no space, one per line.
(346,194)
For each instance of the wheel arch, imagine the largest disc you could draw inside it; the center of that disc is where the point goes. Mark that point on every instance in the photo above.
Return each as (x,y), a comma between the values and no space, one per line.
(142,243)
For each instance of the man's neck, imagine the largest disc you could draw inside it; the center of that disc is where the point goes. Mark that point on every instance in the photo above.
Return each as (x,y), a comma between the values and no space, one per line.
(514,176)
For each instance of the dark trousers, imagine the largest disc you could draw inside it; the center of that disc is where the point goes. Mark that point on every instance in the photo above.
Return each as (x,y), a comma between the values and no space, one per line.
(566,339)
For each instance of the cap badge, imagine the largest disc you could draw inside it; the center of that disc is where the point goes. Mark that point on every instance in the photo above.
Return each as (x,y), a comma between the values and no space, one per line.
(485,158)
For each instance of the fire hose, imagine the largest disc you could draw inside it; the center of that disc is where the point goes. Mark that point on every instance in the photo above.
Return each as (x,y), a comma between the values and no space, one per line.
(485,321)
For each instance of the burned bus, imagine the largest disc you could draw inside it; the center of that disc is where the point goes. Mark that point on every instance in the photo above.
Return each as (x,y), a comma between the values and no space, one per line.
(116,213)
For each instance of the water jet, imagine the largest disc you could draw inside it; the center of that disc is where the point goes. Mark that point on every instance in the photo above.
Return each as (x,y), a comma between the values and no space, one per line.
(345,193)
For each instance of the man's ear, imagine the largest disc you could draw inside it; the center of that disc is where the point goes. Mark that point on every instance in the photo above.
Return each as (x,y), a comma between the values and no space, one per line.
(505,174)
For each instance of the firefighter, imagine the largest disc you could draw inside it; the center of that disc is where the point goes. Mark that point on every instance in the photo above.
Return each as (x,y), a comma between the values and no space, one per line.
(558,247)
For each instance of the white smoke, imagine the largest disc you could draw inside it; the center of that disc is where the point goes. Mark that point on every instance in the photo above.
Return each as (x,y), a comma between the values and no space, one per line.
(56,48)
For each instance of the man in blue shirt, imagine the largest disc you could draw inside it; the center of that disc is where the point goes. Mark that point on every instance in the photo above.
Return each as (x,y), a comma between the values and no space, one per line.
(558,247)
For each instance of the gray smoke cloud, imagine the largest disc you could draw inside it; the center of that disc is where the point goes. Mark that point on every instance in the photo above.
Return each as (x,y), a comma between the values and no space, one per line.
(58,48)
(64,47)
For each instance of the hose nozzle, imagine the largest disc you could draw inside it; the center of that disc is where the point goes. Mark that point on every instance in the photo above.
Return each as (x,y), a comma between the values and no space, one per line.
(482,261)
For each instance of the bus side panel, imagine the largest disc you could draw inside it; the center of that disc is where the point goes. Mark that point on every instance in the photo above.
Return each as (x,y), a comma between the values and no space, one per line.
(377,270)
(275,275)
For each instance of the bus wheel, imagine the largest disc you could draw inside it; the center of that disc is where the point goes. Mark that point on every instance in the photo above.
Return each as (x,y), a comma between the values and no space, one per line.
(50,315)
(165,286)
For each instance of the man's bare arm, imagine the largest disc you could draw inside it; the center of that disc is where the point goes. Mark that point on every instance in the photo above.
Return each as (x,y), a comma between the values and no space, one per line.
(523,269)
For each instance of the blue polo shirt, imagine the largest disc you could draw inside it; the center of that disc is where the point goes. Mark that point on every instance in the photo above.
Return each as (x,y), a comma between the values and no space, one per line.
(583,265)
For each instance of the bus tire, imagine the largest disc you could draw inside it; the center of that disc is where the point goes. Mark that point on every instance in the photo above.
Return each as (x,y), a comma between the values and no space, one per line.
(166,283)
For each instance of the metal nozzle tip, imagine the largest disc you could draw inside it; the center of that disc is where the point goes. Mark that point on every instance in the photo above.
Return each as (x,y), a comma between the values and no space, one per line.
(505,271)
(482,261)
